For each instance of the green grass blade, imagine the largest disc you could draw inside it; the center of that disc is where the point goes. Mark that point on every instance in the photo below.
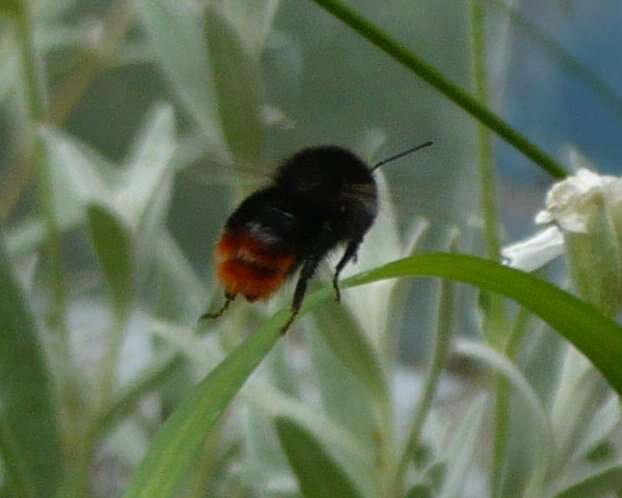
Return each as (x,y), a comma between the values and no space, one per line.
(432,76)
(29,441)
(318,474)
(595,335)
(177,442)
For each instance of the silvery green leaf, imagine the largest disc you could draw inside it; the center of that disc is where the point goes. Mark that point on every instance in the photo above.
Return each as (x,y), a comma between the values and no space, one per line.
(543,443)
(600,427)
(253,20)
(176,33)
(238,85)
(80,176)
(461,450)
(577,394)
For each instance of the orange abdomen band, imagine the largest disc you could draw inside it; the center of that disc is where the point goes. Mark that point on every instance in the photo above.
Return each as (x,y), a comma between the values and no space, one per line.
(248,266)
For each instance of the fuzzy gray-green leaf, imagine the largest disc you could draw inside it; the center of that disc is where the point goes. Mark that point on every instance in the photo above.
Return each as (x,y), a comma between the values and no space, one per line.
(113,248)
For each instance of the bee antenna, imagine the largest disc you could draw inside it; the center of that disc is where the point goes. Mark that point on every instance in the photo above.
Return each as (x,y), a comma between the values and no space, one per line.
(401,154)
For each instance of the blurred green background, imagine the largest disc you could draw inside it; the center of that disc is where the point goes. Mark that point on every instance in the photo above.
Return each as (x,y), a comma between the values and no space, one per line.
(161,114)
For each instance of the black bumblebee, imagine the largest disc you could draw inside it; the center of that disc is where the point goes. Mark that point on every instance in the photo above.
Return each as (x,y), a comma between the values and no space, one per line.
(319,198)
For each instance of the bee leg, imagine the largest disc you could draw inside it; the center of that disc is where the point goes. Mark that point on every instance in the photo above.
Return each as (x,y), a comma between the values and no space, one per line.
(308,269)
(228,300)
(348,255)
(323,244)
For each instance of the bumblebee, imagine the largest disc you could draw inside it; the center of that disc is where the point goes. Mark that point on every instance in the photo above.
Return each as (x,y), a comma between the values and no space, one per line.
(319,199)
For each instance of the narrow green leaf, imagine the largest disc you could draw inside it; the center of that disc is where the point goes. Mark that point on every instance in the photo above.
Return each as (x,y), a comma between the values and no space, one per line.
(29,441)
(432,76)
(319,476)
(595,485)
(175,445)
(113,248)
(238,84)
(176,35)
(595,335)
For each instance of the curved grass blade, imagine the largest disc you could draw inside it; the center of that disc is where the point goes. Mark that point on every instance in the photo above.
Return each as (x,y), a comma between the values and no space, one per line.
(182,435)
(432,76)
(598,337)
(318,474)
(29,441)
(177,442)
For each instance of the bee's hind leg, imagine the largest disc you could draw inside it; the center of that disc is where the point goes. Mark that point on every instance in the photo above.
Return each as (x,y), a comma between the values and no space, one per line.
(217,314)
(348,255)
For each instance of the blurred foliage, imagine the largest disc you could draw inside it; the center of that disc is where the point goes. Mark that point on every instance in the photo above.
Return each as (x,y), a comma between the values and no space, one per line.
(130,128)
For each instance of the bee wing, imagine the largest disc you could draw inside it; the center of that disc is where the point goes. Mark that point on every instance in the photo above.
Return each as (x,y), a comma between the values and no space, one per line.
(213,172)
(209,164)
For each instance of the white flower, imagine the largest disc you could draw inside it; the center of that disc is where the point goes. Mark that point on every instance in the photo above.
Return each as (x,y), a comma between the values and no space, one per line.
(572,203)
(536,251)
(585,214)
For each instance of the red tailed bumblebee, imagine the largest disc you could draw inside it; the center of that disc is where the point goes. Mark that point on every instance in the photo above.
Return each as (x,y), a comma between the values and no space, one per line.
(319,198)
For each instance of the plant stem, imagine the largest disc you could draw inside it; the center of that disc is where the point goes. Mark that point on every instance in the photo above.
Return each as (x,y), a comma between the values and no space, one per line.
(492,329)
(35,94)
(486,163)
(502,403)
(429,74)
(36,110)
(424,402)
